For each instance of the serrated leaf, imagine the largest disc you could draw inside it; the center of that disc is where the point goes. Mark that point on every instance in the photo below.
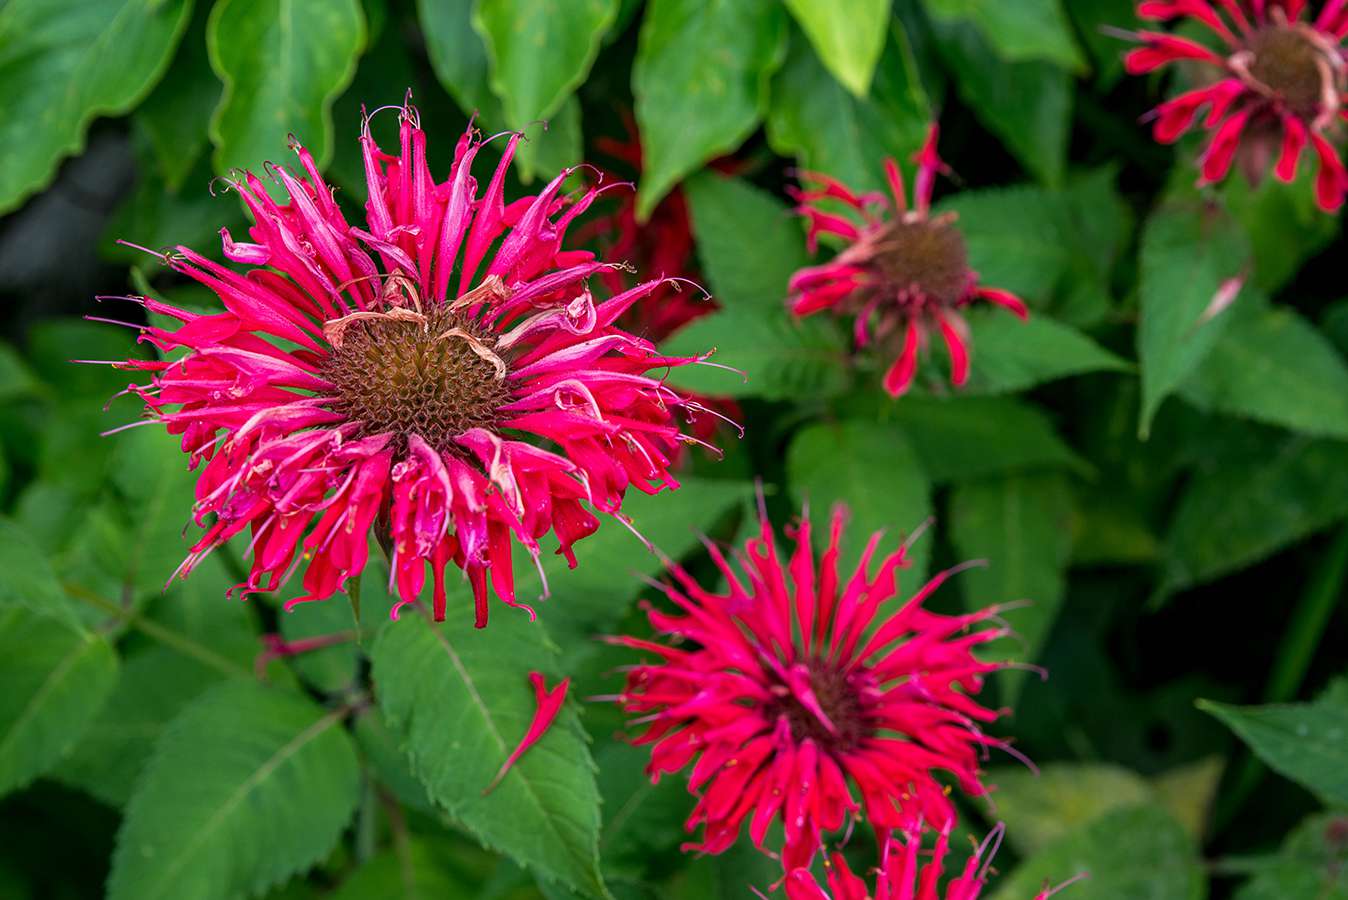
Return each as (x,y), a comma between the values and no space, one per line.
(827,129)
(57,676)
(1011,355)
(65,62)
(283,62)
(1312,864)
(847,35)
(1022,525)
(1306,742)
(248,786)
(1061,798)
(460,699)
(1140,853)
(875,472)
(412,870)
(1272,366)
(700,83)
(1019,30)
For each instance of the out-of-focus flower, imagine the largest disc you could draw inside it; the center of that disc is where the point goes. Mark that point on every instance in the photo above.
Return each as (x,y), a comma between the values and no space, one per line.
(439,373)
(903,273)
(794,683)
(1272,79)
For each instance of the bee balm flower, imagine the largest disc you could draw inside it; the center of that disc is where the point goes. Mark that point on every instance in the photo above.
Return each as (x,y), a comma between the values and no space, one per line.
(795,685)
(439,373)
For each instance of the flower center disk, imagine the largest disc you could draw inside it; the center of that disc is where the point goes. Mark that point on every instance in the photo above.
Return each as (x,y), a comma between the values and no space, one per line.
(839,698)
(1290,64)
(929,255)
(407,377)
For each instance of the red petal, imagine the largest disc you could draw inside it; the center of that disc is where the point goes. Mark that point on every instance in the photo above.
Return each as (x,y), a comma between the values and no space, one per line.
(900,375)
(1293,142)
(548,703)
(959,354)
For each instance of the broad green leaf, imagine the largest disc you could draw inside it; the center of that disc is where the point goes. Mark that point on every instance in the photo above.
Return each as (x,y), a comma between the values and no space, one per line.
(247,787)
(701,83)
(1284,225)
(1019,30)
(283,62)
(1022,525)
(177,113)
(412,870)
(57,676)
(1312,864)
(848,36)
(827,129)
(1306,742)
(540,50)
(782,358)
(387,762)
(1188,792)
(1140,853)
(553,145)
(460,699)
(875,472)
(748,242)
(1027,104)
(458,55)
(1092,18)
(1060,799)
(1234,513)
(1009,355)
(328,669)
(29,580)
(156,493)
(1274,367)
(642,820)
(65,62)
(1334,324)
(1187,253)
(964,437)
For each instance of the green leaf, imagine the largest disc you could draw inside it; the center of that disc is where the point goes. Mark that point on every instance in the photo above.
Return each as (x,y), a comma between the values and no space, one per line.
(1274,367)
(1009,355)
(1060,799)
(642,820)
(700,83)
(1188,792)
(1092,18)
(328,669)
(247,787)
(748,243)
(553,145)
(1019,30)
(783,358)
(461,701)
(1236,512)
(57,676)
(1022,525)
(1187,252)
(17,379)
(177,113)
(1284,225)
(65,62)
(875,472)
(157,494)
(540,50)
(1312,864)
(1027,104)
(1306,742)
(1140,853)
(412,870)
(827,129)
(29,580)
(283,62)
(848,36)
(458,55)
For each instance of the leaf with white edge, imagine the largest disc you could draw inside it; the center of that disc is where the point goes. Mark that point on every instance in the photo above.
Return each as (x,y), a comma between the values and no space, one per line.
(248,786)
(748,242)
(57,676)
(1312,864)
(848,36)
(1019,30)
(1040,807)
(283,62)
(1306,742)
(827,129)
(540,50)
(412,870)
(1009,355)
(1273,366)
(700,83)
(460,699)
(65,62)
(1187,253)
(874,471)
(1022,525)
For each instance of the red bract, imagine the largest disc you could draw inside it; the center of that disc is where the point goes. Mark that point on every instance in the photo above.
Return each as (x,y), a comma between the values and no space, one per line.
(1276,82)
(439,373)
(903,273)
(794,683)
(902,877)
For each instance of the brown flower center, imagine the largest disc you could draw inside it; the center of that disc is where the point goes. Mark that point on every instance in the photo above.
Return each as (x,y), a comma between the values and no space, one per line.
(928,255)
(839,696)
(1292,65)
(430,375)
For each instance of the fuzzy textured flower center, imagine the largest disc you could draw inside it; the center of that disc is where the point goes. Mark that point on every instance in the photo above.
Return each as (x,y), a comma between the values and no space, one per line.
(840,700)
(928,255)
(1291,65)
(409,377)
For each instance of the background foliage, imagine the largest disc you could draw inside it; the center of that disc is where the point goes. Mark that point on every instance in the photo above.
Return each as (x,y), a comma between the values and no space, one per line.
(1171,498)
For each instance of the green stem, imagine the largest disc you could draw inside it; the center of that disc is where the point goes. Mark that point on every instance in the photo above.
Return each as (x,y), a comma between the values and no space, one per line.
(166,636)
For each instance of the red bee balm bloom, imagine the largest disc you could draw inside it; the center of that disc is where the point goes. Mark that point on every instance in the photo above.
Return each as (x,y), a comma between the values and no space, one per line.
(1277,82)
(903,273)
(782,691)
(348,385)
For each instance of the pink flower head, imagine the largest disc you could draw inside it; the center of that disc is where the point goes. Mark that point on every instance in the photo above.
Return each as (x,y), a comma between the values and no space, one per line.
(1273,80)
(903,274)
(902,877)
(439,373)
(794,685)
